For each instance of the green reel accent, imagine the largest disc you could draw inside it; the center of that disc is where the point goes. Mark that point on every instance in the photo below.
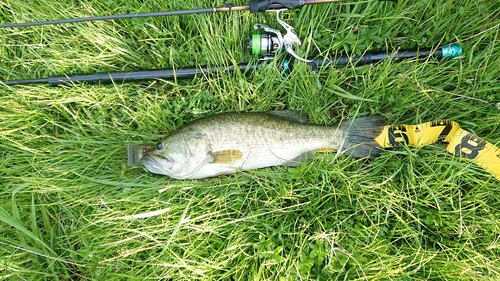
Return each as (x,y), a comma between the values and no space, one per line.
(256,44)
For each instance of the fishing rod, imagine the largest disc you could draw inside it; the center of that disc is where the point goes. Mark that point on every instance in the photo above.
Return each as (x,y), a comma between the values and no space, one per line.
(271,39)
(254,7)
(266,45)
(286,66)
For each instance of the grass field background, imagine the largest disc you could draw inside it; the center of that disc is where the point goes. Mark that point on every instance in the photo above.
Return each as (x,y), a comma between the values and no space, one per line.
(70,208)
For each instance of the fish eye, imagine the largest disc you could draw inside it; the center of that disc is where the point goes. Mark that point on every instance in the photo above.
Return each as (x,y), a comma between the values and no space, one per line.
(159,145)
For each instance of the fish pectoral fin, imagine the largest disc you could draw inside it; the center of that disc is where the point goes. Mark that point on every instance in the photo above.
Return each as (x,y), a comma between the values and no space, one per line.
(304,157)
(226,156)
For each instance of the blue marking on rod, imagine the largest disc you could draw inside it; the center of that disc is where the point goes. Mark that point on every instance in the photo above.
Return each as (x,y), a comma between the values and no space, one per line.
(451,51)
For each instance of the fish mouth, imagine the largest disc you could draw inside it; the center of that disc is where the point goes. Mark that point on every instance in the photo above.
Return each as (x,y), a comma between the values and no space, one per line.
(157,164)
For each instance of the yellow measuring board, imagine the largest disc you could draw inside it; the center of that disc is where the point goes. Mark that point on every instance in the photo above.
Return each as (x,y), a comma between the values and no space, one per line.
(461,142)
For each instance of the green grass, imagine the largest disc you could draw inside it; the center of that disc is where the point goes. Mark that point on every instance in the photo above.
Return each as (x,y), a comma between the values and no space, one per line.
(70,208)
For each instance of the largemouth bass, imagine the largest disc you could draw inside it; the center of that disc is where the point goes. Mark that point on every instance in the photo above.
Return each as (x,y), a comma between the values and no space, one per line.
(228,142)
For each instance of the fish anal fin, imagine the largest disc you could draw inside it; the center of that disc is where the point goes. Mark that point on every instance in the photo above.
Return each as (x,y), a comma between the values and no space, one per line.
(325,150)
(226,156)
(304,157)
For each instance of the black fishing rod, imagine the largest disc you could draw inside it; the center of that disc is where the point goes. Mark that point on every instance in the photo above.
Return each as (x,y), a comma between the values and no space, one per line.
(267,45)
(316,64)
(254,7)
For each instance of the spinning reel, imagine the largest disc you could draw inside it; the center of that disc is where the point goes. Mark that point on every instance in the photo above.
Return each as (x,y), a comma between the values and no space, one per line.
(269,44)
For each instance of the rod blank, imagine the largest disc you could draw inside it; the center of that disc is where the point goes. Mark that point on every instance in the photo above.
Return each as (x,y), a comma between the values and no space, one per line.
(187,73)
(254,6)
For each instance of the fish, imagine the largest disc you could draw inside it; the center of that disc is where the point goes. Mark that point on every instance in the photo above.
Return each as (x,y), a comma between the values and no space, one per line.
(230,142)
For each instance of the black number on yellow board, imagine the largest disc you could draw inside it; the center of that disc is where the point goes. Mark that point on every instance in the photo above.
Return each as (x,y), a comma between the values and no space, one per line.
(398,136)
(446,130)
(470,146)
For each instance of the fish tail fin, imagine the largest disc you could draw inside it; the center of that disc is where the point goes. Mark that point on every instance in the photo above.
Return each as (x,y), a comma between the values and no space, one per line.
(360,134)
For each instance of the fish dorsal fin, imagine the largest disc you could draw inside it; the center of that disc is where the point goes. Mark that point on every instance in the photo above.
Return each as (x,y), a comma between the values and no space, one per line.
(226,156)
(294,115)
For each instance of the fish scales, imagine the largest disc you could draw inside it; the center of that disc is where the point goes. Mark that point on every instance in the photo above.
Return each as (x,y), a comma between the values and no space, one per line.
(267,140)
(226,143)
(235,129)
